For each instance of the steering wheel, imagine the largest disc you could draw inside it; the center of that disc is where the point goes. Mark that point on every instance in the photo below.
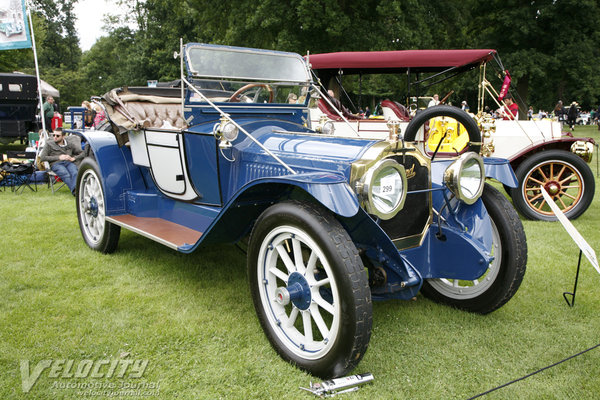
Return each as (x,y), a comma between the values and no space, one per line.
(237,95)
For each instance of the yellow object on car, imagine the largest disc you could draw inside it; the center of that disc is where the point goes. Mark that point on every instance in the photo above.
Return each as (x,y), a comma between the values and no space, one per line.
(456,137)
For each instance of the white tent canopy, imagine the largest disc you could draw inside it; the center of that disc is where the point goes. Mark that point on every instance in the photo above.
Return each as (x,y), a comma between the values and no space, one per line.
(49,90)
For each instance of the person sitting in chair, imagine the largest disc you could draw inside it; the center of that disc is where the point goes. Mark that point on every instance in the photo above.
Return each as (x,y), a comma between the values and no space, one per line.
(62,153)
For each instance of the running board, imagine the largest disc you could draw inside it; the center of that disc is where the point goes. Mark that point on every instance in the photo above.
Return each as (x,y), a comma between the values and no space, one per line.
(160,230)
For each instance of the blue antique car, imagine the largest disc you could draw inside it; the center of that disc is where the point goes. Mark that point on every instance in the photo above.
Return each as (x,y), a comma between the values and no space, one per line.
(331,223)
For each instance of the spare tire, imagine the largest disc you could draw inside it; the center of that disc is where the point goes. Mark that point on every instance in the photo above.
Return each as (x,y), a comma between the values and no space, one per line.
(445,111)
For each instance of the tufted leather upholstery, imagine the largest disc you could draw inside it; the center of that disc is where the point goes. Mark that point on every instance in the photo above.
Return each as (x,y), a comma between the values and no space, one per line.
(135,111)
(153,115)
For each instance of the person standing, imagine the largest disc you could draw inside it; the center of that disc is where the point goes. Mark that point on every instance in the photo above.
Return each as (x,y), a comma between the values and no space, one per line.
(510,110)
(572,115)
(464,106)
(559,111)
(100,116)
(88,115)
(62,153)
(48,112)
(435,101)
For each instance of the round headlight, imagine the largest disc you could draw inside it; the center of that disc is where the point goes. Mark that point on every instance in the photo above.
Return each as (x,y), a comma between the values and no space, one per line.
(230,132)
(328,128)
(465,177)
(384,189)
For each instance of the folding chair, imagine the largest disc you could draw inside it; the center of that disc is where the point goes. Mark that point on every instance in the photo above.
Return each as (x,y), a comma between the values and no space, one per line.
(18,177)
(53,179)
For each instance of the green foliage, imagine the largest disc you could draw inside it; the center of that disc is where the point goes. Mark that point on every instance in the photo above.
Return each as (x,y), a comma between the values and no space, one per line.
(60,46)
(105,66)
(549,47)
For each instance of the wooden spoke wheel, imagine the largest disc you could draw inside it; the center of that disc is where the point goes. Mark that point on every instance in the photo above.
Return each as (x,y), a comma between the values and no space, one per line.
(566,178)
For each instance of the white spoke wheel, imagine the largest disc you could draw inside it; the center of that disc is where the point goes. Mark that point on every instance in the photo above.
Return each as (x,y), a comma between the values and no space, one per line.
(98,233)
(309,288)
(565,176)
(504,274)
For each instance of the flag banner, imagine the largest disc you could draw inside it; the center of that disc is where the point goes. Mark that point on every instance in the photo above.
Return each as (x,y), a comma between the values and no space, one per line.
(14,27)
(505,86)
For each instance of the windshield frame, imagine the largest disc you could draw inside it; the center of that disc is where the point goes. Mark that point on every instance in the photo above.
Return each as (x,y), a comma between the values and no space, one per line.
(239,62)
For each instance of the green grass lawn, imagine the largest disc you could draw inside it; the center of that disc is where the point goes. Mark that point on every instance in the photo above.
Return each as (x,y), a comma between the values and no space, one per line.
(191,317)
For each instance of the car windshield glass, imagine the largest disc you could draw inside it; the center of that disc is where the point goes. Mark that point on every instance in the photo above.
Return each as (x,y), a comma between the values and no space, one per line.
(247,64)
(221,91)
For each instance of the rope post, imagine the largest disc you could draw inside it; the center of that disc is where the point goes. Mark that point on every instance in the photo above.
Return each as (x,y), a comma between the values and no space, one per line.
(572,294)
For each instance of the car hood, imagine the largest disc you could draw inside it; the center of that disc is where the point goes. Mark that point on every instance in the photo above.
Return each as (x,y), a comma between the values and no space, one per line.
(305,152)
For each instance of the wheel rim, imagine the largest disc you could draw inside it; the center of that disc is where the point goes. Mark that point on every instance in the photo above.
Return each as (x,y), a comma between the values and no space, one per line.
(91,207)
(562,181)
(462,289)
(298,292)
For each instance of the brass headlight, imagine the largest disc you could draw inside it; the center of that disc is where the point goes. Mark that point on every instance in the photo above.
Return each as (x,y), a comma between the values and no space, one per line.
(465,177)
(229,131)
(326,128)
(226,132)
(383,189)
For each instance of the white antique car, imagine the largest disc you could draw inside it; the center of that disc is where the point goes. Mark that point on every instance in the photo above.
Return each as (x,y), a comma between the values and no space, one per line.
(539,152)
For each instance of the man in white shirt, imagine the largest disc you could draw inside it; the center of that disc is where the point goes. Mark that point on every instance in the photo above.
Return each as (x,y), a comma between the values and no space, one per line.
(435,101)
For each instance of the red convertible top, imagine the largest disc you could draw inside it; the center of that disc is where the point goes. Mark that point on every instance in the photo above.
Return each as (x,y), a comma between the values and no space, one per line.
(399,60)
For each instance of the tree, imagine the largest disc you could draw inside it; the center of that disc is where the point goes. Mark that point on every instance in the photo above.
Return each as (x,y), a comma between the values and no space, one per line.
(549,46)
(60,45)
(57,48)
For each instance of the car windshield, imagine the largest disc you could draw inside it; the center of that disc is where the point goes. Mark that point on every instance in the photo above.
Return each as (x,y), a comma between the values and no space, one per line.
(209,61)
(221,91)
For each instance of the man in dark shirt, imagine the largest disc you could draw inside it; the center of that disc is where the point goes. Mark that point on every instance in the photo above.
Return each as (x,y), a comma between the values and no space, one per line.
(48,112)
(572,115)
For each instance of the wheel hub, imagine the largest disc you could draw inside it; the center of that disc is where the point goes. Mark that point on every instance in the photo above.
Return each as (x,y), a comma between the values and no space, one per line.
(297,291)
(552,188)
(92,207)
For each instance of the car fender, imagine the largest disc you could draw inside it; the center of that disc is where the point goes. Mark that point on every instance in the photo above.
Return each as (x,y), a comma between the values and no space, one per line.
(500,169)
(237,216)
(461,249)
(564,143)
(116,169)
(331,190)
